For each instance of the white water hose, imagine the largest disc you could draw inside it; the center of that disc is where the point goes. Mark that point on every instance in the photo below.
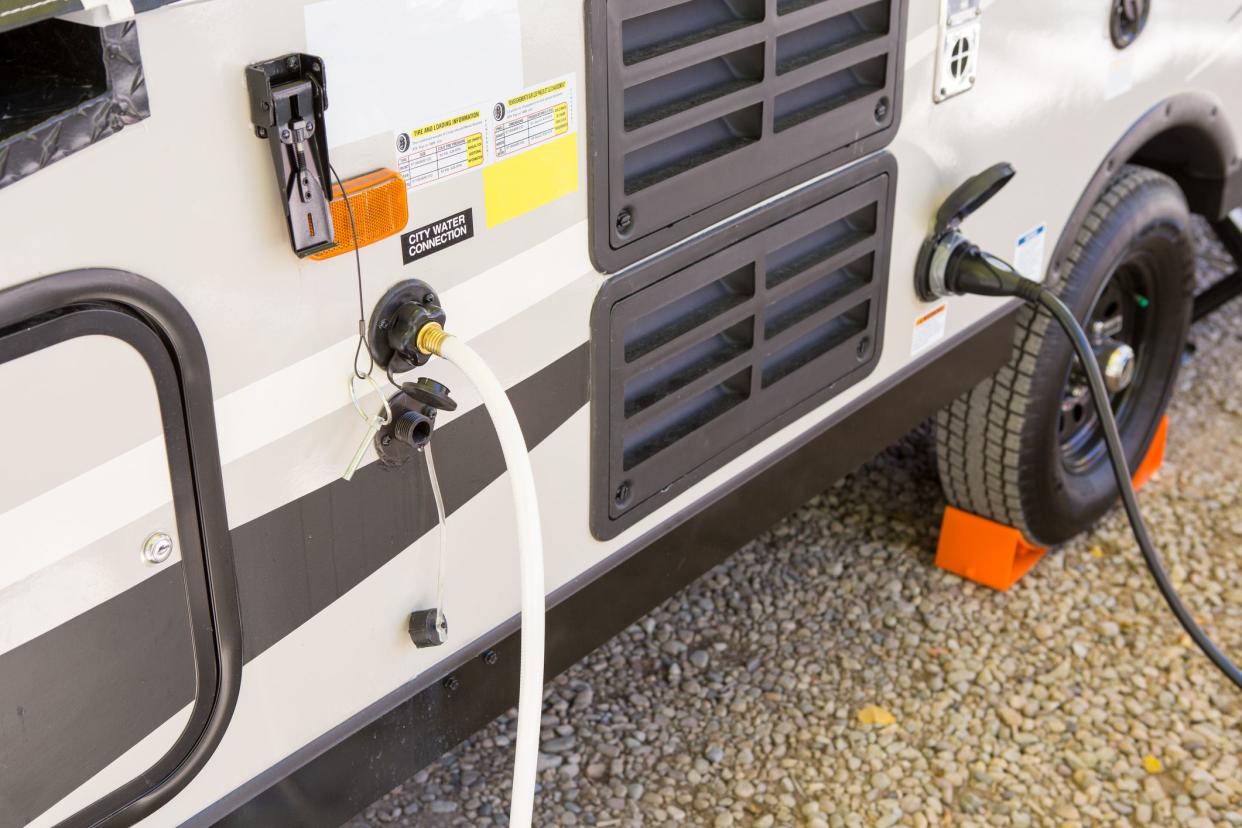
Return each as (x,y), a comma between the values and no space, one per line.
(530,553)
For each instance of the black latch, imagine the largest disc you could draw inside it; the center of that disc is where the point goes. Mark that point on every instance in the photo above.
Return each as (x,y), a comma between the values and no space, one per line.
(288,97)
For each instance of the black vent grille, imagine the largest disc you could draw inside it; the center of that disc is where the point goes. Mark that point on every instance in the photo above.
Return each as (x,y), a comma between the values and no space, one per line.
(703,355)
(701,107)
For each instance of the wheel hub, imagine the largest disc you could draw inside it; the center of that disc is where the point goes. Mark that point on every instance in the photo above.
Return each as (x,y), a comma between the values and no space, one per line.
(1118,330)
(1118,364)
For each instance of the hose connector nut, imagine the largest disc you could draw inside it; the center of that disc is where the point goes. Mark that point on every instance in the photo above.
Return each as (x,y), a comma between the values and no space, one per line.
(411,324)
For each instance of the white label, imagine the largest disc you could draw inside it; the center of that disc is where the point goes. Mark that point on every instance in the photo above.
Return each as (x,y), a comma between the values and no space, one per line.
(929,329)
(1028,255)
(491,131)
(437,150)
(393,63)
(533,116)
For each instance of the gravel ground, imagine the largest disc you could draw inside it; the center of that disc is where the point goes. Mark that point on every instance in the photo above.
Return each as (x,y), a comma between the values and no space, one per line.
(1073,700)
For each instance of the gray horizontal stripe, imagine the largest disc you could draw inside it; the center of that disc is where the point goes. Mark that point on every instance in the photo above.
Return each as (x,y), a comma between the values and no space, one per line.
(80,695)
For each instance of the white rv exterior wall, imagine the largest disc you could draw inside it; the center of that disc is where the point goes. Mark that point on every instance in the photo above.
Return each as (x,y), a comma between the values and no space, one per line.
(185,198)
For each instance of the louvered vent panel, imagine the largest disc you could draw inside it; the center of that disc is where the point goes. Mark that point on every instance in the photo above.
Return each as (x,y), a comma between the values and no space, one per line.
(700,108)
(699,358)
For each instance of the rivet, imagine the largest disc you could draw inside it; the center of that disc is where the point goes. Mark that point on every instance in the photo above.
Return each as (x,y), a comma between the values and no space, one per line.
(157,548)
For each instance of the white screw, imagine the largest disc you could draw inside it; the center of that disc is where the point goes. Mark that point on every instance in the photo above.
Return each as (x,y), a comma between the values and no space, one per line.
(157,548)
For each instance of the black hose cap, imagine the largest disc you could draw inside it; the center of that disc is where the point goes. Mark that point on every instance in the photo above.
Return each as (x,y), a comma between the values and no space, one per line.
(428,628)
(428,392)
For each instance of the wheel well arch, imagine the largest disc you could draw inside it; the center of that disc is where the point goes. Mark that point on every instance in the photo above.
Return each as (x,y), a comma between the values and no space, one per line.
(1185,136)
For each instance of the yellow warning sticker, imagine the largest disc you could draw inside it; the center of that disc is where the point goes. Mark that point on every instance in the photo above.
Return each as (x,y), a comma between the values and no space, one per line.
(536,151)
(530,179)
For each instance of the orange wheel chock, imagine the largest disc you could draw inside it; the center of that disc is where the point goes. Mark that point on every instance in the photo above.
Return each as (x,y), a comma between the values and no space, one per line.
(997,556)
(1155,455)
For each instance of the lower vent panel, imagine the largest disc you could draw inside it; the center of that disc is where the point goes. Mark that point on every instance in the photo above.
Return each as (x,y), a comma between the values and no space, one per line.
(704,352)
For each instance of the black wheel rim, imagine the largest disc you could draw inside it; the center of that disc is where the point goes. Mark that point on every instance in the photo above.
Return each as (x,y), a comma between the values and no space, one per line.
(1122,312)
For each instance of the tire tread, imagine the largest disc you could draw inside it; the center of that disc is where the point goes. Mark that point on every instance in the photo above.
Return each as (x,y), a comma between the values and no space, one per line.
(979,435)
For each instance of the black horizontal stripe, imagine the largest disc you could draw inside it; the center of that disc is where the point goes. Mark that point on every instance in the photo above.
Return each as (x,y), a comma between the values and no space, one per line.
(296,560)
(87,691)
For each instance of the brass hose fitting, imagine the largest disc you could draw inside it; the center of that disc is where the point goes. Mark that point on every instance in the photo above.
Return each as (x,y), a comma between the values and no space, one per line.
(430,337)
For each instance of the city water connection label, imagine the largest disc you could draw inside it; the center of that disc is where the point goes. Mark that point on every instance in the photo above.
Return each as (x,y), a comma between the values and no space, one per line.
(434,237)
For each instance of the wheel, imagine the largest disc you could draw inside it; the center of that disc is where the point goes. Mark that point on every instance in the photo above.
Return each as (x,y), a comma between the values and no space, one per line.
(1024,448)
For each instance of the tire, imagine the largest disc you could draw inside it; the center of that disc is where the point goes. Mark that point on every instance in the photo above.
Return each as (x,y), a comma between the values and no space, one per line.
(1007,449)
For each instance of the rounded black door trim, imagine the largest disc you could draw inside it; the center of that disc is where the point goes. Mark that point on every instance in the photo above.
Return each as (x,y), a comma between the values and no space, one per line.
(51,309)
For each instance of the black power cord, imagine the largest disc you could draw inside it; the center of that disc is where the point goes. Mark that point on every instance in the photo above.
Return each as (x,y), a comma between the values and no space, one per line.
(976,272)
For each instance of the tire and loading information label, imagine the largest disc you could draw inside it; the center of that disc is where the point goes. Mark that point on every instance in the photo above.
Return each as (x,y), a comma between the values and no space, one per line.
(477,136)
(435,151)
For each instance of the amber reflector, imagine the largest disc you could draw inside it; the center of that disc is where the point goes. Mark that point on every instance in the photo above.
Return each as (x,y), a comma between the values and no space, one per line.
(380,211)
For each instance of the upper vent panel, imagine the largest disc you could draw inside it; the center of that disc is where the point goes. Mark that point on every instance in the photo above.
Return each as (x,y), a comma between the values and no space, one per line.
(702,108)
